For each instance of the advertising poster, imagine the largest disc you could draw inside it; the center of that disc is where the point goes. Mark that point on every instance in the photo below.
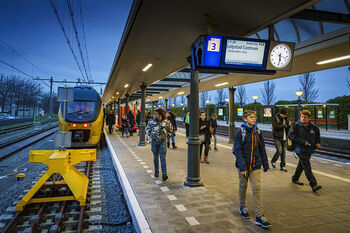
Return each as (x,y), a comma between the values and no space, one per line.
(319,114)
(267,112)
(239,111)
(332,114)
(220,112)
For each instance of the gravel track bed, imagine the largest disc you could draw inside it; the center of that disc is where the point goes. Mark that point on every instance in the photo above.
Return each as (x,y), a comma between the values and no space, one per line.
(10,188)
(115,211)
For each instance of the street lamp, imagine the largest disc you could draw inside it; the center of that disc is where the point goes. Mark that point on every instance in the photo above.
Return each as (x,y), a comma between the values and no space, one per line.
(299,93)
(208,101)
(255,98)
(227,114)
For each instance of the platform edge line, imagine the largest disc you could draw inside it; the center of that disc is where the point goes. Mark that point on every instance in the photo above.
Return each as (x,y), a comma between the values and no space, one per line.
(138,217)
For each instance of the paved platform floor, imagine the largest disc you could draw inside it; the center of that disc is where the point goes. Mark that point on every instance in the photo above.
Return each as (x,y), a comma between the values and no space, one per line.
(171,207)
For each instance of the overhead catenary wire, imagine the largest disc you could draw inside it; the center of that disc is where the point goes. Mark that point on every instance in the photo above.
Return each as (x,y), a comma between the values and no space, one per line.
(84,38)
(66,36)
(22,72)
(77,37)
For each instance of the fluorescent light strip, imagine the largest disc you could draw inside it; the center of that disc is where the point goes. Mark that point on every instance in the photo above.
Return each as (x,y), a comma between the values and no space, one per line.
(147,67)
(333,60)
(221,84)
(126,85)
(180,93)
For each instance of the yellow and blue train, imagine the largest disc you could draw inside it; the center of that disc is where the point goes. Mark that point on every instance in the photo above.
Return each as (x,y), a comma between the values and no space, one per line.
(84,117)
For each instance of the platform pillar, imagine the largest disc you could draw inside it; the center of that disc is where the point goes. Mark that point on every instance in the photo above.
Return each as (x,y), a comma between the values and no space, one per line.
(153,107)
(166,105)
(142,115)
(193,164)
(127,103)
(231,112)
(188,103)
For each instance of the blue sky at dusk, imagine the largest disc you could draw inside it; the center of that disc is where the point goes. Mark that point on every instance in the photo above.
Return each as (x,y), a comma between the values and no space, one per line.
(31,28)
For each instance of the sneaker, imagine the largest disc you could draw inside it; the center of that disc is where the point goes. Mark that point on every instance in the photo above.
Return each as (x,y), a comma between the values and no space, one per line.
(316,188)
(284,169)
(262,221)
(156,174)
(215,148)
(297,182)
(273,164)
(244,213)
(165,177)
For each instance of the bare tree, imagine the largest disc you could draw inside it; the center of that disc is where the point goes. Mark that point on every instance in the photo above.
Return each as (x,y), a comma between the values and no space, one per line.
(220,97)
(307,85)
(203,97)
(241,95)
(6,87)
(268,92)
(348,83)
(182,100)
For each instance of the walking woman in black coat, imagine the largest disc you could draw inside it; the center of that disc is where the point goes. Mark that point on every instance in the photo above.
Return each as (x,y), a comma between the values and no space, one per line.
(204,135)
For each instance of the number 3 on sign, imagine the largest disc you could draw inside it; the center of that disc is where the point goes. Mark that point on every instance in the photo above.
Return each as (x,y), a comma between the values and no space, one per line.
(214,45)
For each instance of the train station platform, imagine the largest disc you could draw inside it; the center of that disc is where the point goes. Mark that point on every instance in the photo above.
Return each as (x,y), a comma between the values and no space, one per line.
(172,207)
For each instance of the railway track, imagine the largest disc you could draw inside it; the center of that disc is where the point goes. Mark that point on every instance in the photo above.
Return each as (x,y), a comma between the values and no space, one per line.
(14,145)
(326,152)
(54,216)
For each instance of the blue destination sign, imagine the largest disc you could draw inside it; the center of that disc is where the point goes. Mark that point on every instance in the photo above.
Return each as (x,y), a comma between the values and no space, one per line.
(222,54)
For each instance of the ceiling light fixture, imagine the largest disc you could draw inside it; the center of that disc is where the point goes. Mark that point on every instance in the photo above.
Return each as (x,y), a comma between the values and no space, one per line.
(180,93)
(333,60)
(160,97)
(221,84)
(126,85)
(147,67)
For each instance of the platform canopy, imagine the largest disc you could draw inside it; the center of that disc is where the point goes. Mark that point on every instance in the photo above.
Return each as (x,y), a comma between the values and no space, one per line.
(161,33)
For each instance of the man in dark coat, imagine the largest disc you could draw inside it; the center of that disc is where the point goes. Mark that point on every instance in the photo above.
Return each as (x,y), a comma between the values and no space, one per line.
(110,121)
(280,127)
(131,119)
(306,137)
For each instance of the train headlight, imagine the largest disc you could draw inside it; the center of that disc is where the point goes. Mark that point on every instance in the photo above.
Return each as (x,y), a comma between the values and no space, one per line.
(86,125)
(74,125)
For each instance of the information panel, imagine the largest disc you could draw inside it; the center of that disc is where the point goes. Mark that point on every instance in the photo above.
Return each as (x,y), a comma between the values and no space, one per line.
(244,53)
(222,54)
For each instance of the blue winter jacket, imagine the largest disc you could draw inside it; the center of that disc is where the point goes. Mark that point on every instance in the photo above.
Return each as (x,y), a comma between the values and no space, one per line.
(250,154)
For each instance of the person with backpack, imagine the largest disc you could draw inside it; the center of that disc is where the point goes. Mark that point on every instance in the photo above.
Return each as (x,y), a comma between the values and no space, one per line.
(159,129)
(213,126)
(306,139)
(249,149)
(280,127)
(148,118)
(172,118)
(187,122)
(125,125)
(204,136)
(131,119)
(110,121)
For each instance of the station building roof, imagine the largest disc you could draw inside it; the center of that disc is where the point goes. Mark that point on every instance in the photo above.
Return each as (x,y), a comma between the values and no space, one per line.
(161,33)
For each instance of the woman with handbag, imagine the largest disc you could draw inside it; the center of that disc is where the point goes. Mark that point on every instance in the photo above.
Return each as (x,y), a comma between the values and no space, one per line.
(212,128)
(204,136)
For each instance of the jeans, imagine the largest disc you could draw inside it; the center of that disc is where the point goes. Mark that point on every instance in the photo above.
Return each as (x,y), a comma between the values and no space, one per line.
(110,128)
(206,148)
(281,147)
(304,165)
(172,137)
(159,150)
(254,177)
(187,126)
(124,131)
(215,140)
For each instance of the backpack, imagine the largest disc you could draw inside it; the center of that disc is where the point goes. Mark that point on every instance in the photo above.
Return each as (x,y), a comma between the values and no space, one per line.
(290,143)
(243,133)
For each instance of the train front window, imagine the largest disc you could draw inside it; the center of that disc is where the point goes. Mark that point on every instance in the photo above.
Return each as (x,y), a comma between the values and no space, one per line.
(81,108)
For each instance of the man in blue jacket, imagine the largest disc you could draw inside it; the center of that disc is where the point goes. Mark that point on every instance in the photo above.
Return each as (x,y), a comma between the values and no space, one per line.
(249,149)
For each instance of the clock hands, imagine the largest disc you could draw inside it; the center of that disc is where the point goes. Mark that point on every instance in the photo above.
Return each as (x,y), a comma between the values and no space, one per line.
(279,58)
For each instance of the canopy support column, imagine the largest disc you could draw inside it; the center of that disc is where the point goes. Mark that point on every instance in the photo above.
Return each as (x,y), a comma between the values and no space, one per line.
(142,116)
(231,106)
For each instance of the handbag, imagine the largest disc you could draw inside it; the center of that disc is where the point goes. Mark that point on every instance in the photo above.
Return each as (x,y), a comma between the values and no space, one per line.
(202,138)
(211,129)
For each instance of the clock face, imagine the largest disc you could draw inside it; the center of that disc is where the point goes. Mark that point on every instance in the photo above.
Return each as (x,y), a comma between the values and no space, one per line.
(280,56)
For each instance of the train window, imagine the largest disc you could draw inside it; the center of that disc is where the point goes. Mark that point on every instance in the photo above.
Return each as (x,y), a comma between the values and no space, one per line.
(81,107)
